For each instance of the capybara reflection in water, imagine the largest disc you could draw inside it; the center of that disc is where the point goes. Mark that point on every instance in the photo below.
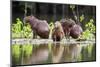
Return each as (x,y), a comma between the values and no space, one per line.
(40,27)
(57,33)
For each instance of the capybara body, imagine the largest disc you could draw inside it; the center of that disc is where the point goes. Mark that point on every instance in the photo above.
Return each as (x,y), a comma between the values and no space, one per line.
(71,28)
(67,25)
(40,27)
(57,34)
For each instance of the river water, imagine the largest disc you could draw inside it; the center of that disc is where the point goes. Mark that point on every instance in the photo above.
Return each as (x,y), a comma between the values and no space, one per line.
(27,54)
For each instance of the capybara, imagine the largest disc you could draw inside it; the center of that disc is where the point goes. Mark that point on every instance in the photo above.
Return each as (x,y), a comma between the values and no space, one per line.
(40,27)
(57,33)
(71,28)
(67,25)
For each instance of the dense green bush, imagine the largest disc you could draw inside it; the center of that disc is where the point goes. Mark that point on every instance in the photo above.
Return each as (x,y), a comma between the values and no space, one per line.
(89,31)
(20,30)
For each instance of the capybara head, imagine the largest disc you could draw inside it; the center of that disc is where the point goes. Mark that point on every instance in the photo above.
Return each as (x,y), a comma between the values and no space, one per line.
(33,21)
(57,24)
(29,18)
(67,22)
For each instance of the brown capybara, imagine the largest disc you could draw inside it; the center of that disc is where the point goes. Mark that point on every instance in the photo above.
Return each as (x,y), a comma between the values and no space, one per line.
(76,31)
(57,33)
(40,27)
(67,25)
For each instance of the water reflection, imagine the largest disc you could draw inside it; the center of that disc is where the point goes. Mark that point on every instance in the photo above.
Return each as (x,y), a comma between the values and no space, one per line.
(71,53)
(65,53)
(39,55)
(57,53)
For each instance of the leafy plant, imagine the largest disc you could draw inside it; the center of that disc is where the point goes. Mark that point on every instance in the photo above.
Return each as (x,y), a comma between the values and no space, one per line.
(51,26)
(82,18)
(20,30)
(27,31)
(90,26)
(90,29)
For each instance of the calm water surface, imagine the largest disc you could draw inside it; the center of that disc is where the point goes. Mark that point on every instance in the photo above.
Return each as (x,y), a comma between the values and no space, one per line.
(53,53)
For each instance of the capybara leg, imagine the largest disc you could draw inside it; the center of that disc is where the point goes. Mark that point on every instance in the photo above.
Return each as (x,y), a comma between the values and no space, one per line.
(34,35)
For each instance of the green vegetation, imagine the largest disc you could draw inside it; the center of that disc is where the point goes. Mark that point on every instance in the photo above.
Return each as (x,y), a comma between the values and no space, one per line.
(90,30)
(82,18)
(51,26)
(20,30)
